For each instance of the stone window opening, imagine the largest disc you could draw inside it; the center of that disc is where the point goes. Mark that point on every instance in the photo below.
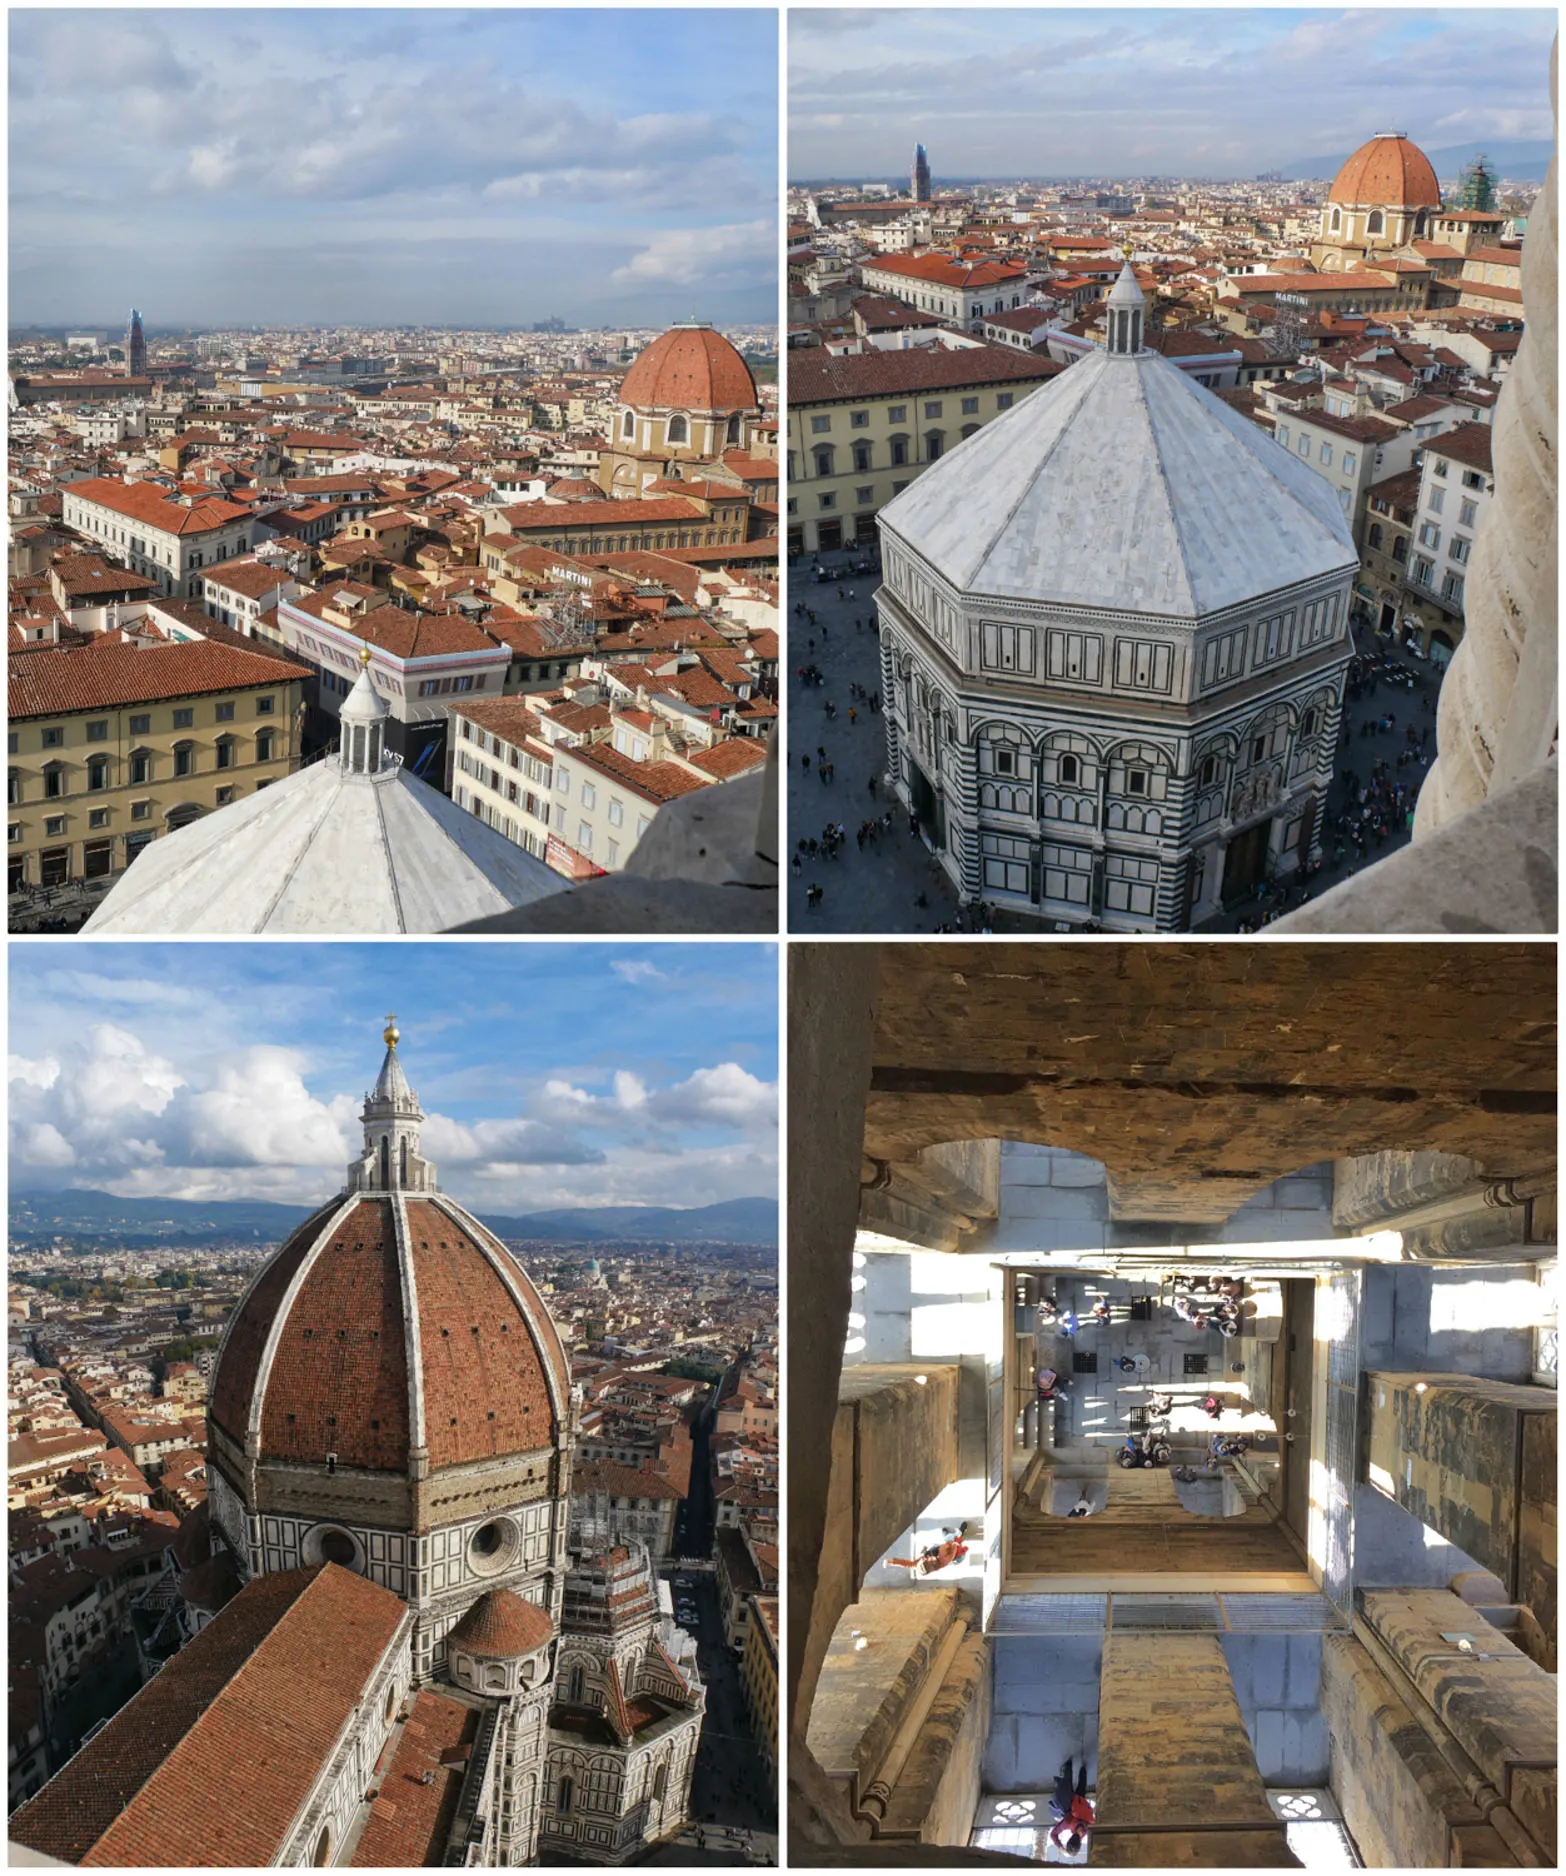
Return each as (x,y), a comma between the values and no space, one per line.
(679,430)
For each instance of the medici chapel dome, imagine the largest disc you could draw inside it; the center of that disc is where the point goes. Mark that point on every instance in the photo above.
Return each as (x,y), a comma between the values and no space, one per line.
(690,368)
(392,1332)
(1389,171)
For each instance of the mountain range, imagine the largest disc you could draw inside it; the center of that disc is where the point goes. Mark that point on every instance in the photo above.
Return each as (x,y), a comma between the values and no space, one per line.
(84,1213)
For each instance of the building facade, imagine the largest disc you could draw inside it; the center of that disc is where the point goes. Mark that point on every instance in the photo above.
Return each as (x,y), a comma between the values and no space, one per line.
(863,426)
(1114,633)
(961,291)
(168,539)
(113,746)
(1456,484)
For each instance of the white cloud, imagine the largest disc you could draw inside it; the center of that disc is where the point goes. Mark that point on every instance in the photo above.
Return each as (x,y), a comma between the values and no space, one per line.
(638,971)
(708,257)
(108,1109)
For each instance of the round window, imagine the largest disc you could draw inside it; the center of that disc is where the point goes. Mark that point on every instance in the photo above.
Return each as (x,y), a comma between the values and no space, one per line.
(338,1547)
(493,1546)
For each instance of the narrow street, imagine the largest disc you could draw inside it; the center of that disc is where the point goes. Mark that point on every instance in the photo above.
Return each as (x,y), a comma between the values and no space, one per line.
(734,1816)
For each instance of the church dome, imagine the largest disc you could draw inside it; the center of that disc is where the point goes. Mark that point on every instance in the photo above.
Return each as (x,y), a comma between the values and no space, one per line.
(392,1332)
(690,368)
(502,1625)
(1123,485)
(1387,172)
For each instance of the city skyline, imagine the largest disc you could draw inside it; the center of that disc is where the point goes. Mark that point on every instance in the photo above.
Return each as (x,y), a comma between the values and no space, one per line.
(551,1076)
(345,167)
(1139,92)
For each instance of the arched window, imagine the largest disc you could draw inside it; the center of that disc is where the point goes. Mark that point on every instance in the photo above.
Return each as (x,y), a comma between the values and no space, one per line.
(385,1162)
(184,758)
(576,1687)
(899,451)
(823,457)
(97,773)
(862,458)
(1374,538)
(1070,769)
(628,424)
(934,442)
(263,746)
(968,430)
(735,432)
(1337,219)
(225,752)
(565,1792)
(660,1782)
(679,430)
(321,1855)
(1207,774)
(1377,222)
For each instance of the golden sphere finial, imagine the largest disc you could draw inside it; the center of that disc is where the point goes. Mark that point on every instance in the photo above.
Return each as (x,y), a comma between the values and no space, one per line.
(364,655)
(391,1035)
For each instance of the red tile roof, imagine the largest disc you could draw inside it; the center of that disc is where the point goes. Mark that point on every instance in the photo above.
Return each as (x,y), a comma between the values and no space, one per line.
(53,683)
(143,502)
(502,1624)
(691,368)
(410,1820)
(212,1761)
(1389,172)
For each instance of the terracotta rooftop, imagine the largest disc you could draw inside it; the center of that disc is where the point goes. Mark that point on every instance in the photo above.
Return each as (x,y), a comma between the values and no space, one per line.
(502,1624)
(250,1710)
(143,502)
(823,379)
(410,1820)
(338,1381)
(691,368)
(53,683)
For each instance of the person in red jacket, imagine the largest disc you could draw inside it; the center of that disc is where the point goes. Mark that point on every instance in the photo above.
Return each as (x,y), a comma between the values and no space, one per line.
(1071,1807)
(936,1556)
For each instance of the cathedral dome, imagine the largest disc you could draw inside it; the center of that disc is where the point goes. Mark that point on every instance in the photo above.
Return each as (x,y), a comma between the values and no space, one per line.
(690,368)
(1387,172)
(501,1625)
(1122,485)
(392,1333)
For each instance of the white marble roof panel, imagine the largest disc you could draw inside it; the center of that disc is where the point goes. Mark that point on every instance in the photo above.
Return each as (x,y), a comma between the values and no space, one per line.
(321,853)
(1127,486)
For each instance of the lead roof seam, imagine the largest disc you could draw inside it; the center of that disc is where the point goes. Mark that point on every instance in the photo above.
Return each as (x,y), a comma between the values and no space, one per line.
(328,801)
(1029,483)
(410,1324)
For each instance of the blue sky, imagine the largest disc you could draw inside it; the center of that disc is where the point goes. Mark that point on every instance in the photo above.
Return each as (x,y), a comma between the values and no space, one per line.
(1050,91)
(333,165)
(551,1075)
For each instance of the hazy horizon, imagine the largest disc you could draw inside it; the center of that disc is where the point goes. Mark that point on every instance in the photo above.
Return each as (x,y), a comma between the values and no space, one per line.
(384,168)
(1114,93)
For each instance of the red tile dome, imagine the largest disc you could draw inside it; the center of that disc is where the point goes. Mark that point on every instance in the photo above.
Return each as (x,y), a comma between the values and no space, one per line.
(502,1624)
(317,1359)
(1387,172)
(691,368)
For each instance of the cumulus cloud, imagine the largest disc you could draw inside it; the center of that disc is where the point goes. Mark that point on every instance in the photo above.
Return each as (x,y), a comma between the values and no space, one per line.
(109,1109)
(713,257)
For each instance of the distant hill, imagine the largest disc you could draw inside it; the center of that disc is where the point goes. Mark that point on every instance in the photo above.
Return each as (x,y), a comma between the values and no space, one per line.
(89,1214)
(739,1221)
(1513,162)
(85,1213)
